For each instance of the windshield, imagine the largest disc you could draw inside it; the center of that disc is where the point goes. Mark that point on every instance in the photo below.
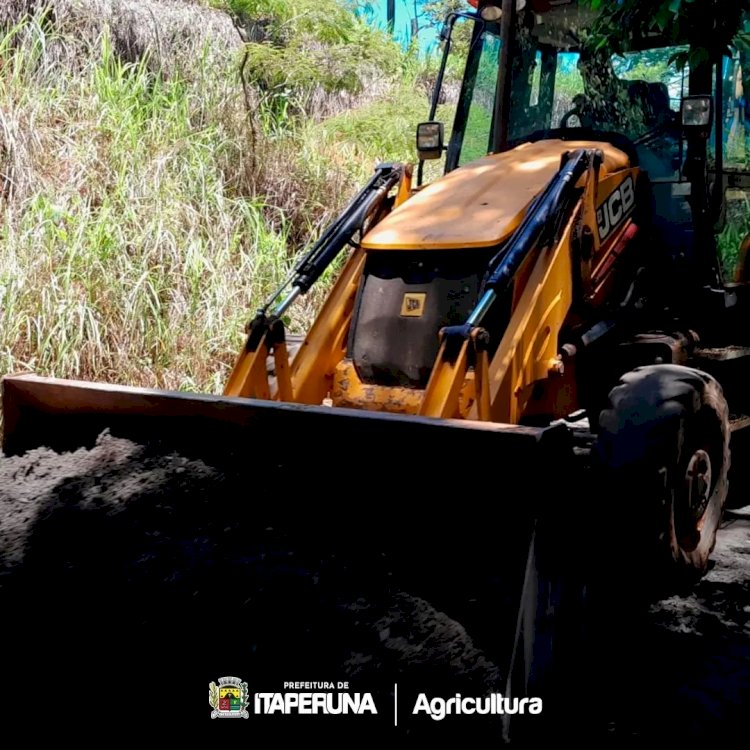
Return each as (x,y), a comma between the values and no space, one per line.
(556,83)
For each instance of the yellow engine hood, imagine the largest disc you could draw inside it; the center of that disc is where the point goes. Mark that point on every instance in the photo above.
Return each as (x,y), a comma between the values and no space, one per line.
(480,204)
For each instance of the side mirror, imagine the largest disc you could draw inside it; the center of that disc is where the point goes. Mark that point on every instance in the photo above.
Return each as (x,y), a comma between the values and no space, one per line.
(430,140)
(696,114)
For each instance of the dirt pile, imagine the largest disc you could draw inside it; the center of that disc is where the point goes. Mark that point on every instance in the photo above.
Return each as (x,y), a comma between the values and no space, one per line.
(132,567)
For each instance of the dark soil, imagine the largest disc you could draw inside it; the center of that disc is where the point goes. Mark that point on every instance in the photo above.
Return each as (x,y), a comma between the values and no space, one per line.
(130,579)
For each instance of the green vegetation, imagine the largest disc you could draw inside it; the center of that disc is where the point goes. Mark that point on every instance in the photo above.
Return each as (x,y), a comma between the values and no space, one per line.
(296,51)
(710,25)
(146,213)
(125,254)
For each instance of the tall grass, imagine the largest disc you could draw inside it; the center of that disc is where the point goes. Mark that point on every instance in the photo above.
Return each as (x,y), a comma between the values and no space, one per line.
(130,250)
(144,216)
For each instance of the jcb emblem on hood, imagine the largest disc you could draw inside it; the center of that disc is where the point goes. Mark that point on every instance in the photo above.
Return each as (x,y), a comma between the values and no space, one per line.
(413,304)
(615,208)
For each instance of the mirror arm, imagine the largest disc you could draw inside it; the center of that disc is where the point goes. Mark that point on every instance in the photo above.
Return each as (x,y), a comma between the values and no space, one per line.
(447,33)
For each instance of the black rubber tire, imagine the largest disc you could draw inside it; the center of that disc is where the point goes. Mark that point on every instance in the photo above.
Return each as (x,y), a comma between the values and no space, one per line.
(663,424)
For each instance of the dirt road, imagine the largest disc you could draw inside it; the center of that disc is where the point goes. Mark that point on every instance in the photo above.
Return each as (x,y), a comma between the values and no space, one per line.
(696,668)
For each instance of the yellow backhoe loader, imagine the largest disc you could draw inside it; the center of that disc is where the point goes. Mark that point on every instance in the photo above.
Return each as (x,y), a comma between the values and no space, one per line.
(536,350)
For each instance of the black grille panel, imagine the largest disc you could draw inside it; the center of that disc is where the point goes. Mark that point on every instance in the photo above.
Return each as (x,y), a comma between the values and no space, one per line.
(390,342)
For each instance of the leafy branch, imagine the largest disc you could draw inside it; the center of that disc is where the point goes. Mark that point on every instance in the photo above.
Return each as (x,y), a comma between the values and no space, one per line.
(708,27)
(213,695)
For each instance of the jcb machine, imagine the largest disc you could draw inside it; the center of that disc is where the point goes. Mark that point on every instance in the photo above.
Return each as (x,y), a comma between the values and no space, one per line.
(535,351)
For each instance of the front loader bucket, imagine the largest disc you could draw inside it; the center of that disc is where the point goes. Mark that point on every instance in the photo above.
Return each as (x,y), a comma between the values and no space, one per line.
(428,481)
(305,510)
(66,414)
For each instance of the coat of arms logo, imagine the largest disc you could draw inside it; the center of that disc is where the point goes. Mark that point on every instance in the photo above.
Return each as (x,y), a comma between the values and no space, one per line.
(229,699)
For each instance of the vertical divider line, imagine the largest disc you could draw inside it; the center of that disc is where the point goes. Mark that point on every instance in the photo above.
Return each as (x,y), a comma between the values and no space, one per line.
(395,704)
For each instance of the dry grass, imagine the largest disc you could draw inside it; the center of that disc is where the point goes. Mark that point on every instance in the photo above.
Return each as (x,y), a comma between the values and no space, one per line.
(170,35)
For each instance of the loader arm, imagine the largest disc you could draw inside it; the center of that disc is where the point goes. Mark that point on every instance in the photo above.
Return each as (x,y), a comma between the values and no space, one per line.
(544,302)
(557,242)
(308,379)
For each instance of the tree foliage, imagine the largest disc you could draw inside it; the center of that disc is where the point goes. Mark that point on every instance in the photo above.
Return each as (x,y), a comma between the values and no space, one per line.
(435,11)
(311,42)
(295,49)
(709,27)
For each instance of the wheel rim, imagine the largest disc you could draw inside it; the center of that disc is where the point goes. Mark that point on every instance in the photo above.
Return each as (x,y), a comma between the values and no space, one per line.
(692,501)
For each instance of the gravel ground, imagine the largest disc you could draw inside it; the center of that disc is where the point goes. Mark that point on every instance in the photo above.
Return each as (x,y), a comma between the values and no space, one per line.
(680,671)
(129,580)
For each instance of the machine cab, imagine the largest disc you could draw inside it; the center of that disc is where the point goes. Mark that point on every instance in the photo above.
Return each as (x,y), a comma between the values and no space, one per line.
(542,70)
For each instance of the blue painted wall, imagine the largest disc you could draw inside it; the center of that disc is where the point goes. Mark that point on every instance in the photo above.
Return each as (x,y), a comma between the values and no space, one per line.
(376,12)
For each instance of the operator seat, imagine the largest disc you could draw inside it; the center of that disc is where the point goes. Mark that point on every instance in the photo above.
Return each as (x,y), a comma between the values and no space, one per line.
(638,98)
(652,99)
(658,99)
